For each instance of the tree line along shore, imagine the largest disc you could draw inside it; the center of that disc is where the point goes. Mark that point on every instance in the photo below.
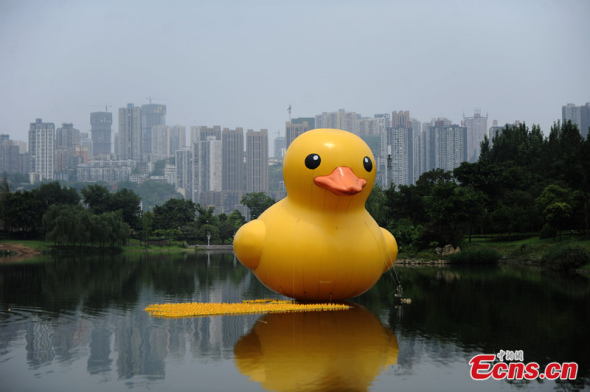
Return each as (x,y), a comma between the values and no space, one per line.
(526,189)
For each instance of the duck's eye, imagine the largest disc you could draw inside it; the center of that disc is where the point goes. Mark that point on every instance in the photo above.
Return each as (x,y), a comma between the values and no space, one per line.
(368,164)
(312,161)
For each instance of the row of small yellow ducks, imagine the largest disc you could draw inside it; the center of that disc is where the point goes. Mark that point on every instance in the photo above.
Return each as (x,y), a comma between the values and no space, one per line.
(199,309)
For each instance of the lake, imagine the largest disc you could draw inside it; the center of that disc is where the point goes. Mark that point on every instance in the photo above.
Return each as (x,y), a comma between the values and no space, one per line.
(78,323)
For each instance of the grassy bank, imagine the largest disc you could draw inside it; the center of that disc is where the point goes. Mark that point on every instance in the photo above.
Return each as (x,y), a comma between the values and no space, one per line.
(526,250)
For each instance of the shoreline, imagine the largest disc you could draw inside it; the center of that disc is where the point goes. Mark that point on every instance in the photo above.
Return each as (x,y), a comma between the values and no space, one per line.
(25,252)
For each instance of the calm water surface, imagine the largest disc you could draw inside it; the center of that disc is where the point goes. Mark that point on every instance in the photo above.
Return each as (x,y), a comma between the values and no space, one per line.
(73,324)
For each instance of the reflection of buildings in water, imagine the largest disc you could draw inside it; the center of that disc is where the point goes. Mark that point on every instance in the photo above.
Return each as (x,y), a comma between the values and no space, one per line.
(317,351)
(99,360)
(59,339)
(214,337)
(134,342)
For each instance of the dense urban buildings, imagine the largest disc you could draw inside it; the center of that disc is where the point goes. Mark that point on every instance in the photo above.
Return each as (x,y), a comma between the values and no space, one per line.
(220,165)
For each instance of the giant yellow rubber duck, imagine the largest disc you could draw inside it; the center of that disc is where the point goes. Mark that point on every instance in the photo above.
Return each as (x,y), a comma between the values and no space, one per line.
(320,243)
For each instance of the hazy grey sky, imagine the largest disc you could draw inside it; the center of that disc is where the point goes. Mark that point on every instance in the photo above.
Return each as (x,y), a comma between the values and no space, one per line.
(242,63)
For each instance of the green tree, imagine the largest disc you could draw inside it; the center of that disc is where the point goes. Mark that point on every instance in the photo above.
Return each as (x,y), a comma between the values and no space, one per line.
(50,193)
(174,213)
(375,205)
(145,227)
(22,213)
(129,203)
(557,215)
(97,198)
(257,203)
(210,230)
(444,209)
(63,224)
(205,215)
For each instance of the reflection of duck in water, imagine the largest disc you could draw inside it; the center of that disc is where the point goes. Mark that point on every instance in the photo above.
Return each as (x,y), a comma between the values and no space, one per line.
(317,351)
(320,243)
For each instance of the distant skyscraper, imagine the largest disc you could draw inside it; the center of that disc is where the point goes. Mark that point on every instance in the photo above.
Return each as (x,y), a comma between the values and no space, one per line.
(309,120)
(100,129)
(160,142)
(130,133)
(369,126)
(400,144)
(279,147)
(184,172)
(447,146)
(9,156)
(477,128)
(67,151)
(292,130)
(41,149)
(257,161)
(176,138)
(152,114)
(417,135)
(67,136)
(400,119)
(208,162)
(579,115)
(341,119)
(232,142)
(585,120)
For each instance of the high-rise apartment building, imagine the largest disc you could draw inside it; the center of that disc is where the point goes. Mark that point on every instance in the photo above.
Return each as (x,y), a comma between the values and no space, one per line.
(10,161)
(152,114)
(208,163)
(184,172)
(176,138)
(67,136)
(160,148)
(257,161)
(166,140)
(398,146)
(447,146)
(368,126)
(67,151)
(130,132)
(232,176)
(579,115)
(41,150)
(100,129)
(292,130)
(400,119)
(232,142)
(477,128)
(341,119)
(279,147)
(416,135)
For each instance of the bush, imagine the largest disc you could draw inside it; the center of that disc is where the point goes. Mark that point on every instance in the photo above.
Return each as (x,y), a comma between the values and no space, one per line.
(547,232)
(566,257)
(475,256)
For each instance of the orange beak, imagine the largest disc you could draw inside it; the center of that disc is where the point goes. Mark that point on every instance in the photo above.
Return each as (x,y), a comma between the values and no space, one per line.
(341,182)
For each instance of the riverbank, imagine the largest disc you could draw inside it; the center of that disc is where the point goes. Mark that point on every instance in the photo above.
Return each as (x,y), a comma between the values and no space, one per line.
(17,252)
(525,252)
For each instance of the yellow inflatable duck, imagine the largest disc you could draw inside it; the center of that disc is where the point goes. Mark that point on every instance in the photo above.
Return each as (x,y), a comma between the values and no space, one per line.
(320,243)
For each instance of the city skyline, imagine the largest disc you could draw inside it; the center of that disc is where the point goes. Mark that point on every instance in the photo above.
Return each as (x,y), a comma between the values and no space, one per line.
(242,64)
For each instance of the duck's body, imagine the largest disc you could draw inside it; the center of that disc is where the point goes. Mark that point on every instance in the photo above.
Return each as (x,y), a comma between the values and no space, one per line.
(319,243)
